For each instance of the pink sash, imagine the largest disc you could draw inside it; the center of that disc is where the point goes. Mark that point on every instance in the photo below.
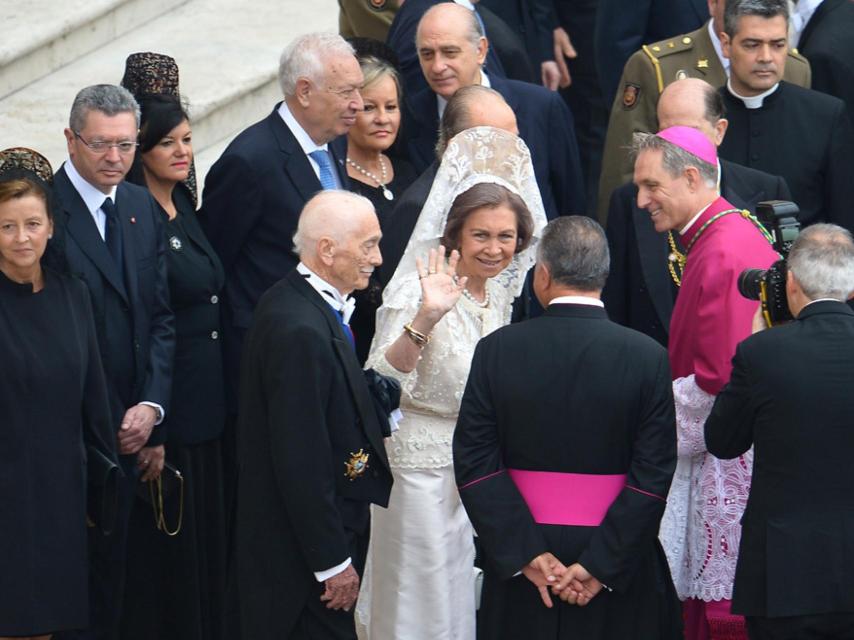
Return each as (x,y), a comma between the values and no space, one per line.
(577,499)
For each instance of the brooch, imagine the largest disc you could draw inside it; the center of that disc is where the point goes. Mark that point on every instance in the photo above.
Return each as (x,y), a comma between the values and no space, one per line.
(175,243)
(357,465)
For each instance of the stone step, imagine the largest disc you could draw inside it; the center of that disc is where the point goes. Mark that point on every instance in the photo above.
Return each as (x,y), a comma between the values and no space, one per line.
(40,36)
(227,52)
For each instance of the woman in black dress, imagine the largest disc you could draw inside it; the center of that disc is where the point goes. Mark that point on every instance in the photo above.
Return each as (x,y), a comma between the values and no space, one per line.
(374,174)
(54,406)
(176,580)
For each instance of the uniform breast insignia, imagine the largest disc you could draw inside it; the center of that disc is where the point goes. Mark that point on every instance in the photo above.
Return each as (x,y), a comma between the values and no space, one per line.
(681,74)
(175,243)
(631,93)
(378,5)
(703,63)
(357,465)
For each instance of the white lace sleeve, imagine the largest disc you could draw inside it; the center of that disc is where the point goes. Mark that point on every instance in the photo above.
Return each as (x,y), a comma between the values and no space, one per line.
(693,406)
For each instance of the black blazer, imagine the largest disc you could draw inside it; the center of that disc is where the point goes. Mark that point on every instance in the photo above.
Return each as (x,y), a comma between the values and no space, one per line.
(623,27)
(572,392)
(135,326)
(640,292)
(545,124)
(827,43)
(252,200)
(304,411)
(790,398)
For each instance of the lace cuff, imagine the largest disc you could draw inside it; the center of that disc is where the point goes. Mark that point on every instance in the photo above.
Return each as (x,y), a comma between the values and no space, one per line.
(693,406)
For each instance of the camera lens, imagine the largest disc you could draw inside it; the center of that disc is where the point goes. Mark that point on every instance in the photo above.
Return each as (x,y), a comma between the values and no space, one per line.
(749,283)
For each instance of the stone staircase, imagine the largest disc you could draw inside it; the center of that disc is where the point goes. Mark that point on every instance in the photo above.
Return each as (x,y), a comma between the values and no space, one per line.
(227,52)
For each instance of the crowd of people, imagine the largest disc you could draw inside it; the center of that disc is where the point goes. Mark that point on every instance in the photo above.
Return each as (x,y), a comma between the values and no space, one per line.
(386,377)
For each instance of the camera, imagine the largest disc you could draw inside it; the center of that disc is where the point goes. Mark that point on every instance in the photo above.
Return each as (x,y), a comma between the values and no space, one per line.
(779,218)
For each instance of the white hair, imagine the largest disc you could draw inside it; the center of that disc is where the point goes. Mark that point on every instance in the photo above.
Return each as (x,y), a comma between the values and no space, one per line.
(305,57)
(329,213)
(822,261)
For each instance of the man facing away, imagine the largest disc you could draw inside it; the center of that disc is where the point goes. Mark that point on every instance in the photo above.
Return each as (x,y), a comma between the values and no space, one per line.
(564,451)
(790,398)
(310,445)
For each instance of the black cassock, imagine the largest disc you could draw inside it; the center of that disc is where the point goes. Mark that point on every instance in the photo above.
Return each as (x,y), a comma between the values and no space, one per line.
(590,401)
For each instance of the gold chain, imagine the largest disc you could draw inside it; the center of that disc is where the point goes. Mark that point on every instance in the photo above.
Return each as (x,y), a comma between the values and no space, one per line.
(157,504)
(675,260)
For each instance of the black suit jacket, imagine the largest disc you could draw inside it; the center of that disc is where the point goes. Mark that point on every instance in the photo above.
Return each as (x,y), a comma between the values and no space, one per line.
(252,200)
(827,43)
(623,27)
(790,398)
(545,124)
(304,411)
(135,326)
(640,292)
(572,392)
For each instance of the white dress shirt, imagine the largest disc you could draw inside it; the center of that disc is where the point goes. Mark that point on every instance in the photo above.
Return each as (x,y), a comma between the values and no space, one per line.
(305,142)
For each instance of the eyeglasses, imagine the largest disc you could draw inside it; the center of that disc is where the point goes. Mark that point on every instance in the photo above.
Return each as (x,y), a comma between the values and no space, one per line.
(347,94)
(101,146)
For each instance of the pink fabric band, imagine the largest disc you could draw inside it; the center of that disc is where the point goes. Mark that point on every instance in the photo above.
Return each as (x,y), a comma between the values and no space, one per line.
(575,499)
(692,141)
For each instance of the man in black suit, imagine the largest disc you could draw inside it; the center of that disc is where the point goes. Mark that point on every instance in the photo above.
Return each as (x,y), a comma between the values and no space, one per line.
(472,106)
(802,135)
(827,43)
(310,445)
(255,191)
(451,49)
(570,406)
(108,232)
(795,572)
(642,285)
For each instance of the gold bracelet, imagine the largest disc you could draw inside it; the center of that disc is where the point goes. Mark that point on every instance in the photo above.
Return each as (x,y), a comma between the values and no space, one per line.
(421,340)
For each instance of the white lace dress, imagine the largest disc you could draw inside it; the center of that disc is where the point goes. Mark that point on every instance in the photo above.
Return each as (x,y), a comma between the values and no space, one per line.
(701,527)
(419,580)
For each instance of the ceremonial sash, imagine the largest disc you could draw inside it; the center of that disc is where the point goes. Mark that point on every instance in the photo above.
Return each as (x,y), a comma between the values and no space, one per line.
(575,499)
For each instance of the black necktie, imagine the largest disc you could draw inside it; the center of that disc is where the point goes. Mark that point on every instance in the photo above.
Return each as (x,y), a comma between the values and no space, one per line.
(113,231)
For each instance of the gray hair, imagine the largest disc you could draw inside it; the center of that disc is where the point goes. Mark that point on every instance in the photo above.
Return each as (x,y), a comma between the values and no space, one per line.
(327,213)
(735,9)
(674,159)
(374,69)
(457,115)
(109,99)
(304,58)
(575,251)
(474,32)
(822,261)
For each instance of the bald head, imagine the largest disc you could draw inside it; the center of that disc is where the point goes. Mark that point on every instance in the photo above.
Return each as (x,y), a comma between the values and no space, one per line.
(451,48)
(474,106)
(693,103)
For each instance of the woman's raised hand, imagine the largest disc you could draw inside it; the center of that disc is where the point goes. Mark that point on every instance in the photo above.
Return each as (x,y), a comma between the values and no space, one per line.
(440,286)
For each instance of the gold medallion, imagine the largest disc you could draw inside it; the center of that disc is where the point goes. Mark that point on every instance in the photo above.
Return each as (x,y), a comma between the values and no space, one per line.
(357,465)
(703,63)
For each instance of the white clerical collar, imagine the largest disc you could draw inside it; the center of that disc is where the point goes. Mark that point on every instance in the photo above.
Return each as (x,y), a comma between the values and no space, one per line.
(587,300)
(308,145)
(92,197)
(752,102)
(333,297)
(819,300)
(441,102)
(694,219)
(716,43)
(465,3)
(800,17)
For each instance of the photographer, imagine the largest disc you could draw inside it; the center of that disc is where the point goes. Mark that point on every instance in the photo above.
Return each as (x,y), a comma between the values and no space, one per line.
(791,395)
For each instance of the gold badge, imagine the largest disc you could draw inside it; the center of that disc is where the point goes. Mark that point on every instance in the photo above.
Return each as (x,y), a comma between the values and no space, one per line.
(656,48)
(631,93)
(703,63)
(357,465)
(681,74)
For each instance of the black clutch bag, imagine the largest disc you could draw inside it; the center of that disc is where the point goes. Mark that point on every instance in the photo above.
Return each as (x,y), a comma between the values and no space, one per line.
(102,485)
(154,492)
(385,393)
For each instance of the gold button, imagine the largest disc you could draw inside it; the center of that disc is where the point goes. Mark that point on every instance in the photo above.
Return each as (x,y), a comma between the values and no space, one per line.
(686,40)
(670,45)
(656,48)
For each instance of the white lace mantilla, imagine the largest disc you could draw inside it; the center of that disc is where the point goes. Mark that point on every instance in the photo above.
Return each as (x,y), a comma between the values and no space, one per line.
(701,529)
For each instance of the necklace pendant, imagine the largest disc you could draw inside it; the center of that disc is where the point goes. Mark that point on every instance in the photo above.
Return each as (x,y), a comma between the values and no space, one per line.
(387,194)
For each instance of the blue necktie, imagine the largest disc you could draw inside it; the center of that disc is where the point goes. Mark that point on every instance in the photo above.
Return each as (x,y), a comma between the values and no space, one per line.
(327,177)
(112,231)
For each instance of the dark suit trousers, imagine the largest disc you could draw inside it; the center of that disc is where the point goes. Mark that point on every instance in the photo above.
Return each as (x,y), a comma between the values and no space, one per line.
(319,623)
(828,626)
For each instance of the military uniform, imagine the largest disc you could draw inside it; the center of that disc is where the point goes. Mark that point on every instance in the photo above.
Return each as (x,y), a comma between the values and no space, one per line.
(366,18)
(646,74)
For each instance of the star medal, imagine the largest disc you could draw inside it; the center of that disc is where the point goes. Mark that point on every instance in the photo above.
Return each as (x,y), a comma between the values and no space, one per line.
(357,465)
(175,243)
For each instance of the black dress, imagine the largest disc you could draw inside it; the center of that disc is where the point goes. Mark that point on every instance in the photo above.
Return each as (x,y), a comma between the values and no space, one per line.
(176,585)
(53,399)
(369,299)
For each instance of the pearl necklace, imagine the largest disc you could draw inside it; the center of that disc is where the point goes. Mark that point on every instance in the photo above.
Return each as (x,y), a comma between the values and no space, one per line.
(382,183)
(475,301)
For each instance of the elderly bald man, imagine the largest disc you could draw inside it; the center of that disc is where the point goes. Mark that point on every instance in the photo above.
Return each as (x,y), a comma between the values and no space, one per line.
(310,445)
